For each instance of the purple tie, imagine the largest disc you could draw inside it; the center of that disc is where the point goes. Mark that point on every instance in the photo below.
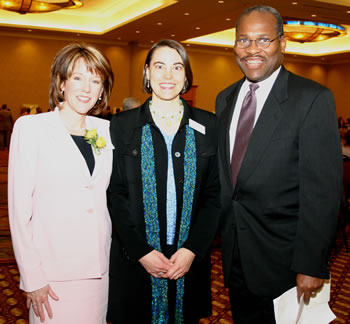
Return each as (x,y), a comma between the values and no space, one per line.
(244,130)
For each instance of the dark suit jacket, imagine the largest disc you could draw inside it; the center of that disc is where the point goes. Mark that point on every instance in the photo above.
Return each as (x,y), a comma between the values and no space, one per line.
(130,283)
(285,205)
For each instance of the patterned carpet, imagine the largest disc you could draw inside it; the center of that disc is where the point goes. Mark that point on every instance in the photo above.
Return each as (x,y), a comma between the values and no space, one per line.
(12,300)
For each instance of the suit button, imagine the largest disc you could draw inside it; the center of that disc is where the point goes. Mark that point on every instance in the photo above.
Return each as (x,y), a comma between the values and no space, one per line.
(134,152)
(235,197)
(177,154)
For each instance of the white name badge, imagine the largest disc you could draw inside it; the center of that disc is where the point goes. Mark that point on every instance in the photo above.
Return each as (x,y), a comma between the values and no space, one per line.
(196,126)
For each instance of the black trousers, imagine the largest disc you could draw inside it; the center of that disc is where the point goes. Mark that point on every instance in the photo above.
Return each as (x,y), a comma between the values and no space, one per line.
(246,307)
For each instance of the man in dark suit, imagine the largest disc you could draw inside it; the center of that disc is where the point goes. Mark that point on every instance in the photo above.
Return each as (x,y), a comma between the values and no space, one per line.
(280,205)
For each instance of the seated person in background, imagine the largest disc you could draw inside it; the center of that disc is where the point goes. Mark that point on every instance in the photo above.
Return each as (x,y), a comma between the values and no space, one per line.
(6,124)
(131,103)
(346,144)
(341,123)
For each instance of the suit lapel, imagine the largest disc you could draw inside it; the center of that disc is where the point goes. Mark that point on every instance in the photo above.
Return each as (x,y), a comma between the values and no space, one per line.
(64,142)
(265,126)
(224,131)
(104,132)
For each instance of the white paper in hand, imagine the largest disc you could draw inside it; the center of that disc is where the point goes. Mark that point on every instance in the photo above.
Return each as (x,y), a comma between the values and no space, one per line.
(288,311)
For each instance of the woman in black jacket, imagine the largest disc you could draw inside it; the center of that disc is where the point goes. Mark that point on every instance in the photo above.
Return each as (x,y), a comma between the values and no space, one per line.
(163,199)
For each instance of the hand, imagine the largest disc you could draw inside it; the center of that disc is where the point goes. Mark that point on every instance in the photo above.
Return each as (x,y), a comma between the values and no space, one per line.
(182,260)
(155,264)
(308,286)
(40,297)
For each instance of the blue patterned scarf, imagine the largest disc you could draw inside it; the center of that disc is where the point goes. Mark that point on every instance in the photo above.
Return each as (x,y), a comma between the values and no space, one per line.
(160,313)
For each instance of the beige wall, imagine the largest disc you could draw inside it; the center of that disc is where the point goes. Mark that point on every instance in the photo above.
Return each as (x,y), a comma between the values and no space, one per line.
(339,83)
(25,71)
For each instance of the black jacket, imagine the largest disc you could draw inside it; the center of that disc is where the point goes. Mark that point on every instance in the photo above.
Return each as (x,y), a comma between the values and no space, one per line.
(130,289)
(284,208)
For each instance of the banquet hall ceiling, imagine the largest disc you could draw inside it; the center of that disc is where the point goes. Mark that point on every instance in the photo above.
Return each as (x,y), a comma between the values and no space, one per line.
(181,20)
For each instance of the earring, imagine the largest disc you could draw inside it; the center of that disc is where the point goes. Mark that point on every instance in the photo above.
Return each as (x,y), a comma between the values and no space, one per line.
(62,92)
(100,98)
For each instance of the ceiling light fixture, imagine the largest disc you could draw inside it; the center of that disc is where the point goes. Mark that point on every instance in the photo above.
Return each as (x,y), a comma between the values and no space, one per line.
(311,31)
(33,6)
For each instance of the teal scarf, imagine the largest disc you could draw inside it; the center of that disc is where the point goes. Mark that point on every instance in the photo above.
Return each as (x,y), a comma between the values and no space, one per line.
(159,285)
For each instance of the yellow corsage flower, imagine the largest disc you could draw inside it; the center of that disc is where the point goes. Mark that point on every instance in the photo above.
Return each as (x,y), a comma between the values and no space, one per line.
(101,142)
(97,142)
(90,134)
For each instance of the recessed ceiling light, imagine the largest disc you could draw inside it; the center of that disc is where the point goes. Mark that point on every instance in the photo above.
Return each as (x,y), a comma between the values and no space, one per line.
(159,23)
(186,13)
(137,32)
(348,11)
(78,35)
(313,15)
(198,28)
(152,41)
(226,48)
(323,58)
(119,38)
(30,30)
(228,19)
(221,1)
(172,35)
(187,44)
(294,3)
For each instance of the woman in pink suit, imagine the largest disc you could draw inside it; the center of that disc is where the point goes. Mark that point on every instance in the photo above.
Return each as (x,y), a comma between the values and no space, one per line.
(59,169)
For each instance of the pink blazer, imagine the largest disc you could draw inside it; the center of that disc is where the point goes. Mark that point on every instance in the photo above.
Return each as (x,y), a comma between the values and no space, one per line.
(60,225)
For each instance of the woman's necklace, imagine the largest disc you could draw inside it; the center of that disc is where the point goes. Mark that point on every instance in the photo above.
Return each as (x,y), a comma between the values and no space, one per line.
(79,131)
(168,120)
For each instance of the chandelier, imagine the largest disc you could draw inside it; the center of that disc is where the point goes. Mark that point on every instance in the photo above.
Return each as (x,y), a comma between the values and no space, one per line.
(34,6)
(311,31)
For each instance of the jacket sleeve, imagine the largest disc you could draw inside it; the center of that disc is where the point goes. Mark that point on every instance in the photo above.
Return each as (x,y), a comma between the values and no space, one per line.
(22,174)
(132,241)
(320,174)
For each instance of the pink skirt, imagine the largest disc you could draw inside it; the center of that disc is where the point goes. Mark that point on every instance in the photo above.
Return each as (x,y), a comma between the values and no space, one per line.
(80,301)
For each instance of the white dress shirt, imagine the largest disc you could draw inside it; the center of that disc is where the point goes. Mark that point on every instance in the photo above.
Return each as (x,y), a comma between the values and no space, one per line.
(261,93)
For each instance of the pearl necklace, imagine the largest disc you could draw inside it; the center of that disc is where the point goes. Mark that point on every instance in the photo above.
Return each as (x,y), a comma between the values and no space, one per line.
(76,131)
(167,120)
